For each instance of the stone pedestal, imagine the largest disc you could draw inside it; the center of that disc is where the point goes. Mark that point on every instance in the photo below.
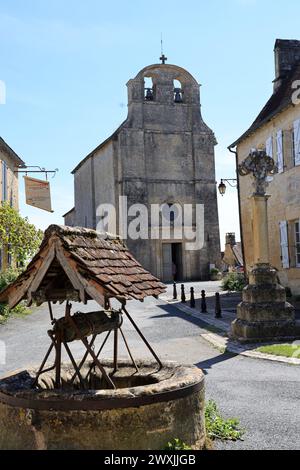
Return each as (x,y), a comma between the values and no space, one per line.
(264,314)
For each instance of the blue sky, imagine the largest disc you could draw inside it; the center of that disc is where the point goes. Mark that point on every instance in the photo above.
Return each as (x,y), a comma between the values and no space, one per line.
(66,64)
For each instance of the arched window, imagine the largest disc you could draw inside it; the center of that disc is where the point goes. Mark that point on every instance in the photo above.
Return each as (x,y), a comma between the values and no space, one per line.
(171,212)
(148,89)
(178,92)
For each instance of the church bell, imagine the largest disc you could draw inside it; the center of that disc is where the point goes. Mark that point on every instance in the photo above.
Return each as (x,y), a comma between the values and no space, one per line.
(149,94)
(178,95)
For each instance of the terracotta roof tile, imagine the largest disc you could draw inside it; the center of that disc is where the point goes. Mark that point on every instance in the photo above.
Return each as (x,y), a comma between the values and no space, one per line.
(99,258)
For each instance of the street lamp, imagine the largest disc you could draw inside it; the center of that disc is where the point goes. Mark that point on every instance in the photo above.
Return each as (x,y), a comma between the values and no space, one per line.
(222,186)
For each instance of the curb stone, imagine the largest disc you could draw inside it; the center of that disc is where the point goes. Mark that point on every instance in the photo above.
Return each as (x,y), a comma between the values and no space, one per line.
(224,344)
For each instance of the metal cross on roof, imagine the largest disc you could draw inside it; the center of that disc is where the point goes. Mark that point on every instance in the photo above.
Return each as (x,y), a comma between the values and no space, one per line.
(163,59)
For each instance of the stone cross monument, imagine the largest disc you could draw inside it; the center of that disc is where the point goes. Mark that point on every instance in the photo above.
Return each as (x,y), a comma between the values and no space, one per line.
(264,314)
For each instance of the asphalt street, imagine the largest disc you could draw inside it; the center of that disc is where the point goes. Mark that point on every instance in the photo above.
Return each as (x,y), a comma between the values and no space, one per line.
(263,395)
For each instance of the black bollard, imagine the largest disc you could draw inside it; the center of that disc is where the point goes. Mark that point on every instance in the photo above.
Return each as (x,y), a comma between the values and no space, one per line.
(192,301)
(203,302)
(183,299)
(218,310)
(174,291)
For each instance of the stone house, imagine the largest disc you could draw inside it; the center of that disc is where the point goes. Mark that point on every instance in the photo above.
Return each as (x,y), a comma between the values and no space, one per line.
(9,185)
(277,129)
(163,155)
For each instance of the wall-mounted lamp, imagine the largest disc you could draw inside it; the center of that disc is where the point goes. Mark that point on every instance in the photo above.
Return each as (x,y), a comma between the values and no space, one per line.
(222,186)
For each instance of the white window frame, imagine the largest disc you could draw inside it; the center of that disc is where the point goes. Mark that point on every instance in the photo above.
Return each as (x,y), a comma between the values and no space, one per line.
(269,147)
(280,153)
(4,181)
(284,244)
(296,139)
(297,244)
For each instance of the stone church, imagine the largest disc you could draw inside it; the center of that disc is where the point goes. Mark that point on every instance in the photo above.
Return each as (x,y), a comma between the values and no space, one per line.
(162,154)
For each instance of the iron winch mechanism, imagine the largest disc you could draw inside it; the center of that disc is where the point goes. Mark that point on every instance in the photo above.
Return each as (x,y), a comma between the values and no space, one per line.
(80,327)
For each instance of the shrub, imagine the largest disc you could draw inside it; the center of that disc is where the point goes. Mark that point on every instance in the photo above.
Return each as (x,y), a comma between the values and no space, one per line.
(177,444)
(18,236)
(220,428)
(214,271)
(234,282)
(7,277)
(20,310)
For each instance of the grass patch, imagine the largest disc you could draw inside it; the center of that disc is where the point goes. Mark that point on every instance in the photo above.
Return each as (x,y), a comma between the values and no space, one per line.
(216,428)
(285,350)
(219,428)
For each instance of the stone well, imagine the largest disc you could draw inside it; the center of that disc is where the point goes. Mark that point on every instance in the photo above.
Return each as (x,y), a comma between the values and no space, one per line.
(146,410)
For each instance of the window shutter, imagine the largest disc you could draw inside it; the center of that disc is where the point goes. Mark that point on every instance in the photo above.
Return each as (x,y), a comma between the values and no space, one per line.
(297,142)
(4,181)
(279,141)
(269,147)
(284,243)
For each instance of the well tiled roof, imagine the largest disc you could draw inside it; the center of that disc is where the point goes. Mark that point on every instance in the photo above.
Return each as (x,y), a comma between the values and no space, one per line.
(96,265)
(280,99)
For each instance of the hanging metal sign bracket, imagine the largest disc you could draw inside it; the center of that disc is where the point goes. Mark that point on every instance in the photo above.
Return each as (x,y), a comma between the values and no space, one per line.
(37,169)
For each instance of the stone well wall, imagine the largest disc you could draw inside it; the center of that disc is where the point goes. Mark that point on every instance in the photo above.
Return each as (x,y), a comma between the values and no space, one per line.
(140,417)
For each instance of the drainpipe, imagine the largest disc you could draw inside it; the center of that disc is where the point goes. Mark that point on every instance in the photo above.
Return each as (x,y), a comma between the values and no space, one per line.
(240,209)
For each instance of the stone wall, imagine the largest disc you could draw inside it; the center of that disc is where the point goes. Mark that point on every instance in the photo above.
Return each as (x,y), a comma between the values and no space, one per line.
(12,180)
(132,418)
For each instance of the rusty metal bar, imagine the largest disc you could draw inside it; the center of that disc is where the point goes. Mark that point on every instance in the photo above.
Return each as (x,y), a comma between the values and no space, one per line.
(115,350)
(143,337)
(58,363)
(50,311)
(74,364)
(103,344)
(128,350)
(86,344)
(84,358)
(96,404)
(41,371)
(97,362)
(98,354)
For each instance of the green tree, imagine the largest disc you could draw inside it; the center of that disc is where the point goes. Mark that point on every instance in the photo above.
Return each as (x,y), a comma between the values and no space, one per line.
(18,237)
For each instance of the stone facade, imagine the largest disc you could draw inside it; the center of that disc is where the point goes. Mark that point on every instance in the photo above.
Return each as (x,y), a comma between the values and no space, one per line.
(276,130)
(162,154)
(9,185)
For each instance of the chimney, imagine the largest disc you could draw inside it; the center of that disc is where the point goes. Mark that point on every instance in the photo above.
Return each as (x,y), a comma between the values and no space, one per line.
(287,54)
(230,239)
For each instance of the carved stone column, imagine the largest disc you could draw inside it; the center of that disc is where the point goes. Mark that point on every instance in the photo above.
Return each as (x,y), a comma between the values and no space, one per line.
(264,314)
(260,229)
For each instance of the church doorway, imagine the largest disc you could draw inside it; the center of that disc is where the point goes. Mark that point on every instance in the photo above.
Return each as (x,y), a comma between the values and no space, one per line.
(172,262)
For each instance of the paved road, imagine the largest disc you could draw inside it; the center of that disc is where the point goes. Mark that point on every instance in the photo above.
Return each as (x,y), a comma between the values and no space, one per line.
(264,395)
